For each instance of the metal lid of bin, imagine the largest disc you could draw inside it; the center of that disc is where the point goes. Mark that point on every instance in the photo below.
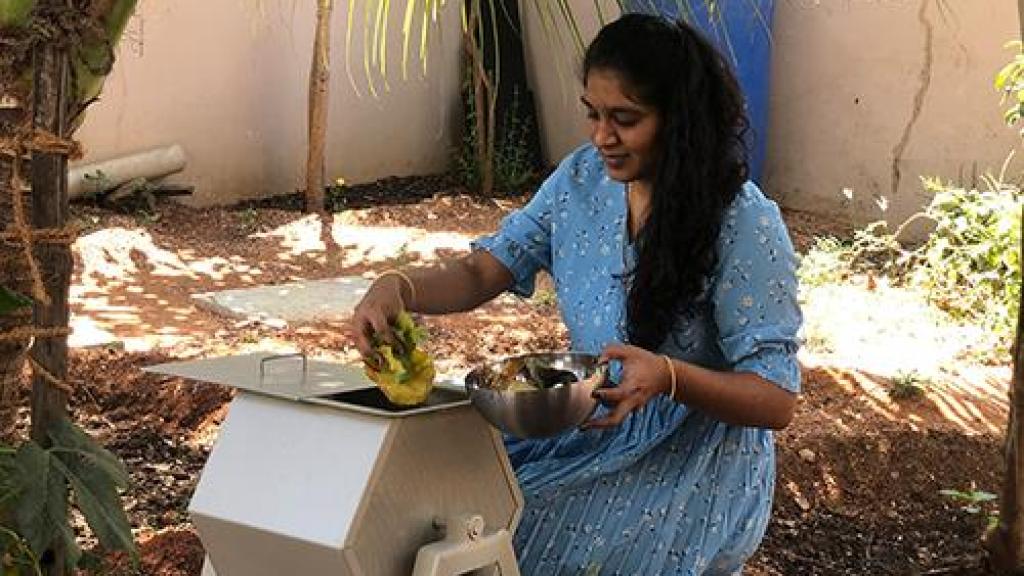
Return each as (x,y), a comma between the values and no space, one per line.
(297,378)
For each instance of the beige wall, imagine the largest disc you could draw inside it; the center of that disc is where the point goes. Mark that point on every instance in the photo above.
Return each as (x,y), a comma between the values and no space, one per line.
(863,88)
(553,66)
(227,80)
(847,76)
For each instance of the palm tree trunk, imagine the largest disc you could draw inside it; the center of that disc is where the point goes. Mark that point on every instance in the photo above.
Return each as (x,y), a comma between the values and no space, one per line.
(49,211)
(51,87)
(319,76)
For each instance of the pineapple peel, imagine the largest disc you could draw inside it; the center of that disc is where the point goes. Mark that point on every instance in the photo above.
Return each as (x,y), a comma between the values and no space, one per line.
(403,371)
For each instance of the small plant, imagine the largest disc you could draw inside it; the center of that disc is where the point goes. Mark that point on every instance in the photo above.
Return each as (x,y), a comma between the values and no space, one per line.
(907,386)
(403,257)
(1010,81)
(970,264)
(817,342)
(248,220)
(36,482)
(146,218)
(513,160)
(975,501)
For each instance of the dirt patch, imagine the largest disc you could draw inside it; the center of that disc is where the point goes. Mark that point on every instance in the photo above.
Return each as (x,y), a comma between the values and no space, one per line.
(806,227)
(859,493)
(110,385)
(172,552)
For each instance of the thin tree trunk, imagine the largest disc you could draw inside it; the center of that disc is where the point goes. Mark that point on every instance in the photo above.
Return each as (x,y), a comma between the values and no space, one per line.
(49,210)
(319,77)
(483,100)
(1006,543)
(492,137)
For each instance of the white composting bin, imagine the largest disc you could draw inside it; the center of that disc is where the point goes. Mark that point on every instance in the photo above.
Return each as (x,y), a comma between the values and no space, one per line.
(313,473)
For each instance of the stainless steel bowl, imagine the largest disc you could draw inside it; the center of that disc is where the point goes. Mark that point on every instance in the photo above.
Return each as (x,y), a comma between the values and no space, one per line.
(539,413)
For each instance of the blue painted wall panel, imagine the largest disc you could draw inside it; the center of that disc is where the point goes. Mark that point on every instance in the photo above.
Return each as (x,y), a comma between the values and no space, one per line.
(742,31)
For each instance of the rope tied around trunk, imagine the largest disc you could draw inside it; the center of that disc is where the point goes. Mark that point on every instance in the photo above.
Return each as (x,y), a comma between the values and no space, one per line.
(31,332)
(28,139)
(24,234)
(19,231)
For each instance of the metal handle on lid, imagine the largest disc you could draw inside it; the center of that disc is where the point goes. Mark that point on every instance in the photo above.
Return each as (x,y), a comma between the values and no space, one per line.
(278,357)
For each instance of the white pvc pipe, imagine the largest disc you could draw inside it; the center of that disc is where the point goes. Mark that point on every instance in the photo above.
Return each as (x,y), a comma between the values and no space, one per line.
(102,176)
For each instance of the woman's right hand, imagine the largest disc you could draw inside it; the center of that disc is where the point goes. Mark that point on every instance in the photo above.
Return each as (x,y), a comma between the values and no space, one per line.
(374,313)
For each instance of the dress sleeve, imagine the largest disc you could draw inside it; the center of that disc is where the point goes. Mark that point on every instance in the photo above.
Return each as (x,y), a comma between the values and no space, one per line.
(523,241)
(754,292)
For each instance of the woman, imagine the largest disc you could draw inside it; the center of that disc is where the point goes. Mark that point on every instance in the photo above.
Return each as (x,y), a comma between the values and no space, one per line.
(679,271)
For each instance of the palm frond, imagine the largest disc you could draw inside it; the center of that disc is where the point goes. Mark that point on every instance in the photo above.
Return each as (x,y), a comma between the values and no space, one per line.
(350,15)
(367,15)
(410,10)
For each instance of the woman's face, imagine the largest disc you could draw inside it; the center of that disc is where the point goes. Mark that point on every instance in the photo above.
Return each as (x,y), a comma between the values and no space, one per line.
(623,130)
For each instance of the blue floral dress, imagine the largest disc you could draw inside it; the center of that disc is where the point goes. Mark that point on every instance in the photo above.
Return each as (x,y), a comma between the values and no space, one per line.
(671,490)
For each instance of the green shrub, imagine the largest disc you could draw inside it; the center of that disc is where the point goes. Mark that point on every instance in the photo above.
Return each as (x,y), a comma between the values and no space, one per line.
(969,264)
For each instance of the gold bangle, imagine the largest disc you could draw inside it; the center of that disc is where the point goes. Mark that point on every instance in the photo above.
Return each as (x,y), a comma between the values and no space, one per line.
(672,374)
(405,278)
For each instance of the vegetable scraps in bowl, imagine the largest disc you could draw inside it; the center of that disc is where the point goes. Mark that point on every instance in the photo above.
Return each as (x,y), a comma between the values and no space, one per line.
(523,374)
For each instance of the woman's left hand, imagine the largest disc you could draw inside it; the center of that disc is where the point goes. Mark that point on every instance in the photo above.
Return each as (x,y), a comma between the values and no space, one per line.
(644,376)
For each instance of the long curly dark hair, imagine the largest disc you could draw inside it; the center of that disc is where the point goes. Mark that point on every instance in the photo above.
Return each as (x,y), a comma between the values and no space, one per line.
(700,167)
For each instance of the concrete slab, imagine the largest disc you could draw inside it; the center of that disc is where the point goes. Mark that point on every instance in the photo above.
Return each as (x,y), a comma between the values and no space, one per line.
(316,300)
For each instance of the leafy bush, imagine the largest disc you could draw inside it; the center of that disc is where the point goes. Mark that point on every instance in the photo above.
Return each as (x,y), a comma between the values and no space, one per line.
(970,264)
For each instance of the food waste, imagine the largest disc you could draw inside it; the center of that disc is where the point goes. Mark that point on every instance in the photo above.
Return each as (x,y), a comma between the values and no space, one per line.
(523,374)
(402,370)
